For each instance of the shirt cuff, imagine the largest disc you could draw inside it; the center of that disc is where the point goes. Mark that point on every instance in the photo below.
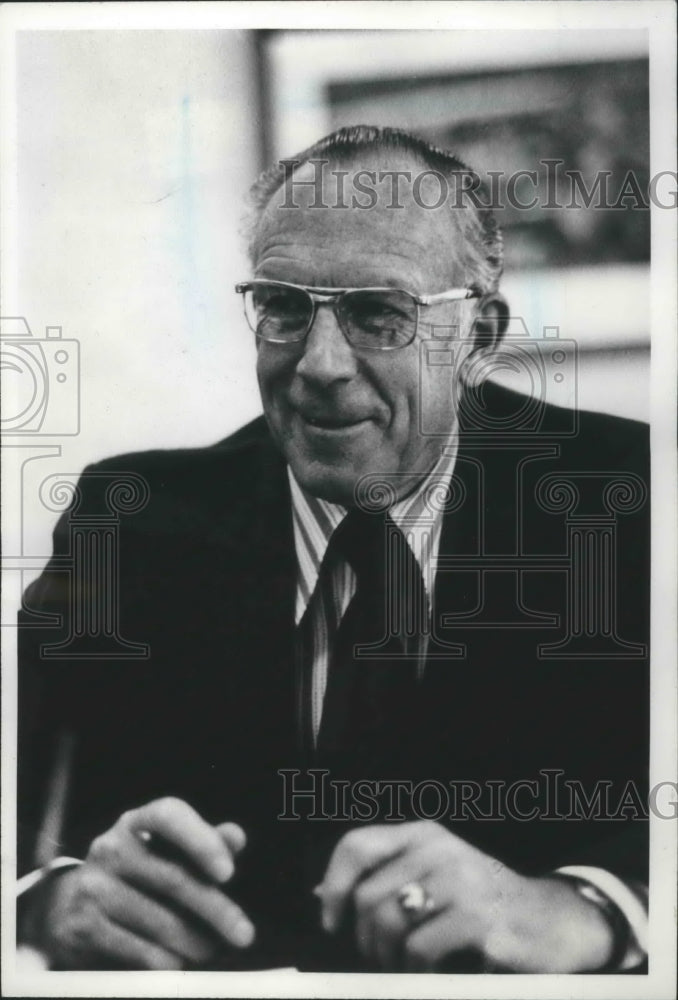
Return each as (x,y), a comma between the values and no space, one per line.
(32,879)
(632,905)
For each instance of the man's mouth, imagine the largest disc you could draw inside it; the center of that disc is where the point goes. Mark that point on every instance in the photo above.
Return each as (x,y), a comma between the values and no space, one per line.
(332,422)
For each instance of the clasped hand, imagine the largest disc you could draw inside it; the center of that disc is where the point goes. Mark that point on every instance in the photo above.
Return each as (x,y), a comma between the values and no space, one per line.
(129,907)
(475,904)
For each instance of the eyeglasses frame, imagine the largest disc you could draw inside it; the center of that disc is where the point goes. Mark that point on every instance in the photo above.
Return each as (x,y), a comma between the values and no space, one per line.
(331,296)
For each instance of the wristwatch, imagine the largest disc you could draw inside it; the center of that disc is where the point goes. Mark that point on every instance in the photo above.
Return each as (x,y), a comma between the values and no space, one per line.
(619,925)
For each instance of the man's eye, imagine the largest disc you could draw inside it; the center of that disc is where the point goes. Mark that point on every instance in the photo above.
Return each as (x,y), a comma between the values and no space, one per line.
(377,312)
(276,304)
(282,308)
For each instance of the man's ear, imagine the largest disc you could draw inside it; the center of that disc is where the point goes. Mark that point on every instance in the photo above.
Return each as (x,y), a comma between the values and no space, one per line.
(490,323)
(489,326)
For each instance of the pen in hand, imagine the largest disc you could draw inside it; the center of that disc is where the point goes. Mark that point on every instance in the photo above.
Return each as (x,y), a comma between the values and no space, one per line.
(161,847)
(223,869)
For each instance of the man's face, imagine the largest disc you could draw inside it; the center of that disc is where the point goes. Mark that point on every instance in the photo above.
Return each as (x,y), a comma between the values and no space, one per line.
(339,413)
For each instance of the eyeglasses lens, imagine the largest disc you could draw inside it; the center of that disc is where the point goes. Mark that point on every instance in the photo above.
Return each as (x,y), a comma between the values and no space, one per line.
(379,320)
(278,314)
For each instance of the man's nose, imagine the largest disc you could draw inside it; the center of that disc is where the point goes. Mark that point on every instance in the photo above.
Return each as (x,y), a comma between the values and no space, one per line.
(328,356)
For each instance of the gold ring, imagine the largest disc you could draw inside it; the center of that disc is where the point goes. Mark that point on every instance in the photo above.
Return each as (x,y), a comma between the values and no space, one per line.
(415,900)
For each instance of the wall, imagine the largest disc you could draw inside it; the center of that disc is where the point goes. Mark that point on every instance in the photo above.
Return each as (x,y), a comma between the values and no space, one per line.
(135,151)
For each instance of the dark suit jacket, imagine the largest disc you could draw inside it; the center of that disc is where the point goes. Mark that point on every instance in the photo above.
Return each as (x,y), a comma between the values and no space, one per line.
(207,579)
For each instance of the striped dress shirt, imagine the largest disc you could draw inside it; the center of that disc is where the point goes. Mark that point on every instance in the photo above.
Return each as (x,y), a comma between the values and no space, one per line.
(419,516)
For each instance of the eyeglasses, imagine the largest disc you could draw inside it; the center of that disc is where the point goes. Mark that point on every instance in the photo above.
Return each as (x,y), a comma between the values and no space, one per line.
(375,319)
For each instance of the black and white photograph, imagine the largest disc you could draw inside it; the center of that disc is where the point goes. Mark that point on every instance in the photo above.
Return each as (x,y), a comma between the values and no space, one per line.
(339,499)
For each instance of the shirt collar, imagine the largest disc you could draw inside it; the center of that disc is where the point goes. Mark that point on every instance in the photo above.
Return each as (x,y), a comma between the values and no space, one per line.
(418,515)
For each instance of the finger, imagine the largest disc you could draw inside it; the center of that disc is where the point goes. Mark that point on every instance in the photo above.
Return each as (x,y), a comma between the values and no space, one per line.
(380,918)
(387,881)
(356,854)
(233,836)
(146,918)
(382,930)
(173,883)
(179,825)
(126,950)
(435,942)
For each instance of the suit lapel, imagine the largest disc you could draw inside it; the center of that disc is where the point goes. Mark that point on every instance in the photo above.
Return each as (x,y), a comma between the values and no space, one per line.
(264,595)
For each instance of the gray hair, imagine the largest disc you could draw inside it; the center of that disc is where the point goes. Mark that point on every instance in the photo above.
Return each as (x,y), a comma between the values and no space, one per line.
(483,241)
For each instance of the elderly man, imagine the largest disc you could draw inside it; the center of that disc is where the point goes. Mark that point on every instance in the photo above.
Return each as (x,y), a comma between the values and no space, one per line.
(341,630)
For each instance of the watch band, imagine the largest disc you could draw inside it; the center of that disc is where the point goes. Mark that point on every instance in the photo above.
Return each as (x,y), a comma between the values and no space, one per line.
(619,925)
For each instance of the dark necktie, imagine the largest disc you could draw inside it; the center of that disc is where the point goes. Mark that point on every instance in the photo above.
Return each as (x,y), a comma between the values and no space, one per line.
(371,680)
